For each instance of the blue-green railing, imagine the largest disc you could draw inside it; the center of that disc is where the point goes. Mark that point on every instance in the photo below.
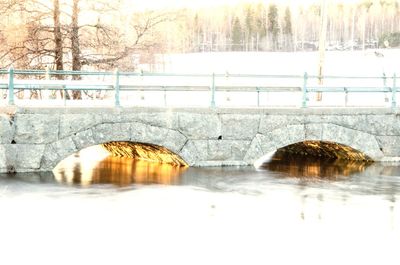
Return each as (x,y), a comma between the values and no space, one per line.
(304,84)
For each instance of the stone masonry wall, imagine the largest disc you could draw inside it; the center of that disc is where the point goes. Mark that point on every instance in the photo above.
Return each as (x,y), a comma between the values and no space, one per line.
(36,139)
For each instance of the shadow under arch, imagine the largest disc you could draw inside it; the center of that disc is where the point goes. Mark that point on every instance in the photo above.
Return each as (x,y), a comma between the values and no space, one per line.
(317,159)
(143,151)
(265,144)
(121,164)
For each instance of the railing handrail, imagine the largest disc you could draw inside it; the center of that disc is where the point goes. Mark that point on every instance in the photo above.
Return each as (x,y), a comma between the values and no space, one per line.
(166,74)
(216,83)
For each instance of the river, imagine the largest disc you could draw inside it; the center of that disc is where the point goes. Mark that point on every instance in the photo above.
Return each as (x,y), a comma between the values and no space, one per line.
(122,211)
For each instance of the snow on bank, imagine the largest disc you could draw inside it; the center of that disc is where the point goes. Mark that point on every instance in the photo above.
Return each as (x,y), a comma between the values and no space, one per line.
(369,62)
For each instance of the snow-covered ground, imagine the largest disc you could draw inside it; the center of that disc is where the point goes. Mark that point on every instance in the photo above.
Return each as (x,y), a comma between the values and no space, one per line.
(364,63)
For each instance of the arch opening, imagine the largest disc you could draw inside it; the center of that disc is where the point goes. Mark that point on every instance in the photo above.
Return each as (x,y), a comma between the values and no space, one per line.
(317,159)
(323,149)
(121,164)
(142,151)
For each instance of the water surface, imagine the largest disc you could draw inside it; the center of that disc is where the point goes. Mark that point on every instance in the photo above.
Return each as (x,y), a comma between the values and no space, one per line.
(121,211)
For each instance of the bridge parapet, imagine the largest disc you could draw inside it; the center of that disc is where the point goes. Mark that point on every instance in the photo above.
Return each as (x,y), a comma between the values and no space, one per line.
(36,139)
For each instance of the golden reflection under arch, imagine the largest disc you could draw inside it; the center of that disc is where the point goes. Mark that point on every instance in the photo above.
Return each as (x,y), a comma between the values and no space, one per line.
(318,159)
(96,165)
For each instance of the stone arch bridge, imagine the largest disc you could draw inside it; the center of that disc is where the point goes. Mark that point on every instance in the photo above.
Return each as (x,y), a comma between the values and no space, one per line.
(36,139)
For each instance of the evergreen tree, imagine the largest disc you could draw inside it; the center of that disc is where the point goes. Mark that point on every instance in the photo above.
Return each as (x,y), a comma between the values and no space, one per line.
(273,26)
(249,28)
(287,30)
(237,35)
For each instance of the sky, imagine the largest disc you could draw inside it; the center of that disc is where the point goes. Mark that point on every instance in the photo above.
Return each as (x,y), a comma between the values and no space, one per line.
(150,4)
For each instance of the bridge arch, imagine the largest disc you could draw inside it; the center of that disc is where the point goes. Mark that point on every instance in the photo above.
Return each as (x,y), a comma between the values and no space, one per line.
(265,144)
(106,133)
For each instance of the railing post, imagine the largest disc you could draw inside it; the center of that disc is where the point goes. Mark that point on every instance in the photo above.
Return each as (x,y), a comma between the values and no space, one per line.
(304,90)
(384,79)
(385,86)
(213,91)
(394,91)
(11,86)
(165,96)
(258,96)
(116,87)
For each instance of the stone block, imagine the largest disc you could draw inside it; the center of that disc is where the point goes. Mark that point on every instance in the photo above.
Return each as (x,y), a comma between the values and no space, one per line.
(239,127)
(189,153)
(390,145)
(138,132)
(219,150)
(254,152)
(270,123)
(84,139)
(64,147)
(384,125)
(50,158)
(24,157)
(3,161)
(155,135)
(6,129)
(174,141)
(166,119)
(313,132)
(200,126)
(360,141)
(74,123)
(36,128)
(287,135)
(112,132)
(266,143)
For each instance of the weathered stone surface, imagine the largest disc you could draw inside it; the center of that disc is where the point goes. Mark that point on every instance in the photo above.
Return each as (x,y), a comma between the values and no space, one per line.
(36,129)
(3,162)
(200,126)
(110,132)
(239,127)
(73,123)
(254,152)
(50,158)
(112,117)
(189,153)
(267,144)
(155,135)
(167,119)
(6,129)
(219,150)
(174,141)
(286,135)
(360,141)
(64,147)
(269,123)
(138,132)
(313,131)
(246,135)
(390,145)
(170,139)
(383,125)
(84,139)
(24,156)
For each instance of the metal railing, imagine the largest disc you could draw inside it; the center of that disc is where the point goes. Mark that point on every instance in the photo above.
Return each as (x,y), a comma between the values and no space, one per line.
(120,82)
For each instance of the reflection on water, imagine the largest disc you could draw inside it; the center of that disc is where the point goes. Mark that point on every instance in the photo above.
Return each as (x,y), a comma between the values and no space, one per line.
(115,170)
(221,215)
(309,167)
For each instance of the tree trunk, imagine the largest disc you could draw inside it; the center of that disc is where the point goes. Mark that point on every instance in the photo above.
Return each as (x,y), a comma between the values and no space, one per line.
(76,60)
(58,43)
(58,50)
